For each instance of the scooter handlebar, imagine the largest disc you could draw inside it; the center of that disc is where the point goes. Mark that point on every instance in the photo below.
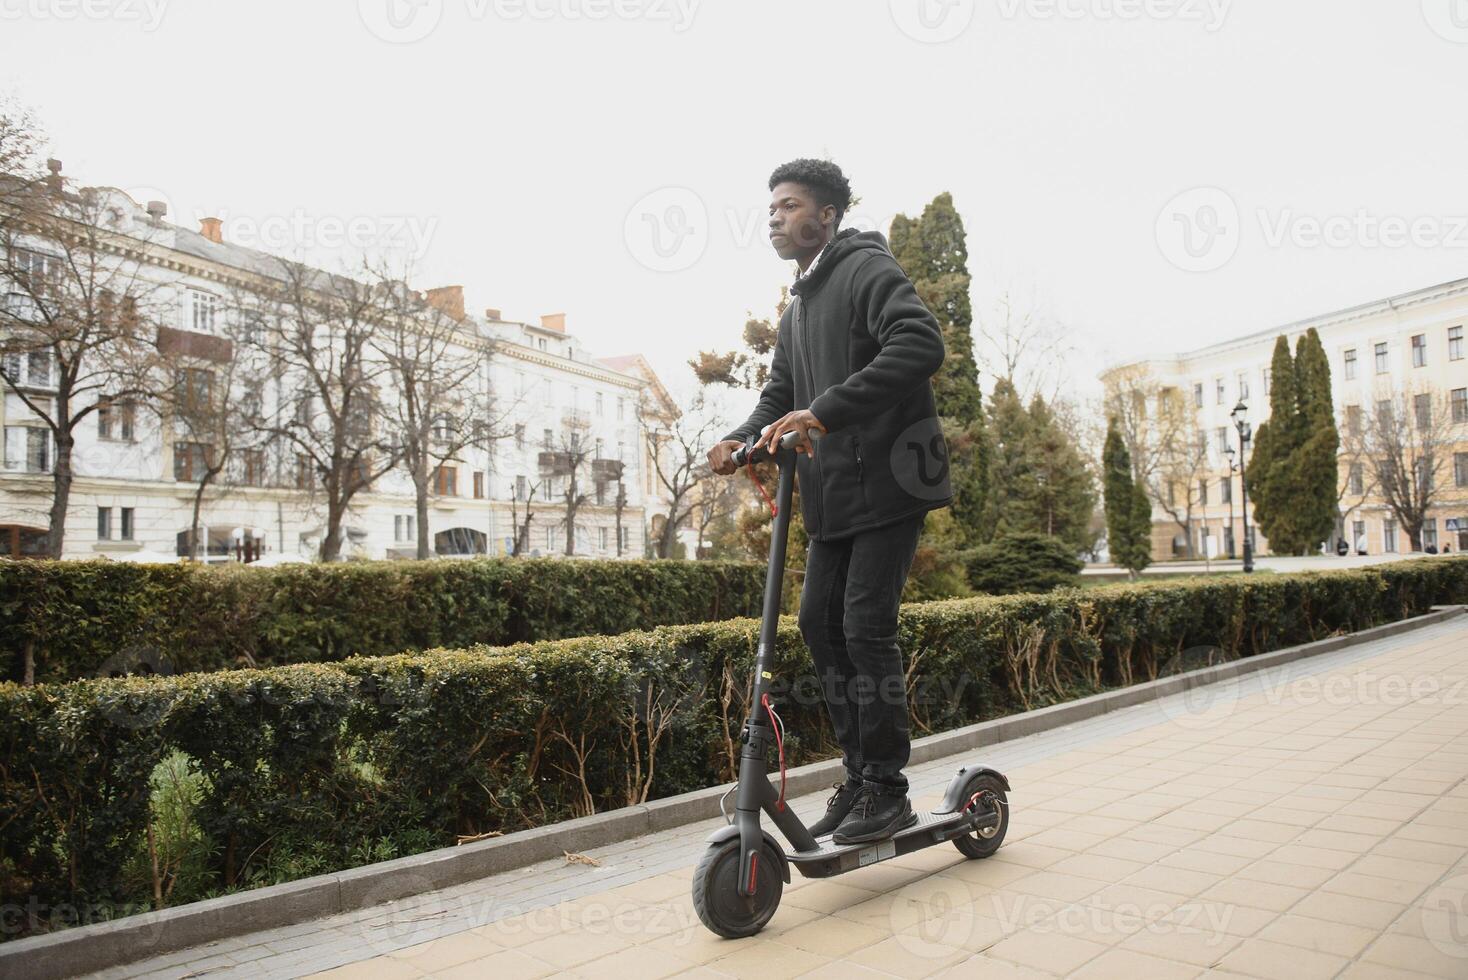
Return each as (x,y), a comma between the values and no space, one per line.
(747,455)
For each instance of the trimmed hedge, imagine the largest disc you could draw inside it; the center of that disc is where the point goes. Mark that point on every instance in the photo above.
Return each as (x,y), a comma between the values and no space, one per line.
(84,619)
(302,769)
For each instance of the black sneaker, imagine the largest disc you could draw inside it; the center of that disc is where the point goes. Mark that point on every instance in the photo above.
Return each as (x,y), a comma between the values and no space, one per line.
(837,807)
(875,816)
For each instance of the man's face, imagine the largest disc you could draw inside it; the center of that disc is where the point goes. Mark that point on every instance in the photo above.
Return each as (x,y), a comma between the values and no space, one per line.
(798,225)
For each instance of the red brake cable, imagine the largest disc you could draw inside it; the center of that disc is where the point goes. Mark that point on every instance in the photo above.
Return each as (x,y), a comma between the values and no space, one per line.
(774,511)
(779,727)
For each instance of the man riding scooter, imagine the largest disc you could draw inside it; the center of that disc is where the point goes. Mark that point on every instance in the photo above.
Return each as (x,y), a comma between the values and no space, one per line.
(853,360)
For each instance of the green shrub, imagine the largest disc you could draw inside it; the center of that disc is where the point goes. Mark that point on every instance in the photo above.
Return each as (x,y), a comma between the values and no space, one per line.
(253,776)
(82,619)
(1022,562)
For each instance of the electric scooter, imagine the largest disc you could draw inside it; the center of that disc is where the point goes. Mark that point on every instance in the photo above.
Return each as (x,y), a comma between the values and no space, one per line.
(739,880)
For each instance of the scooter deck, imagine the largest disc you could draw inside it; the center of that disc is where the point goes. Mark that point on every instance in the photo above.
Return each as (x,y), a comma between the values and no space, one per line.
(929,829)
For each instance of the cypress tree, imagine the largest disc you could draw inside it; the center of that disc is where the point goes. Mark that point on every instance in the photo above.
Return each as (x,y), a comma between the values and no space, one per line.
(1274,441)
(1293,471)
(933,251)
(1128,512)
(1315,462)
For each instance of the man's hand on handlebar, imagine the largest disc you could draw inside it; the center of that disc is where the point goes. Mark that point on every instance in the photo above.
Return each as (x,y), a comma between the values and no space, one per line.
(801,422)
(721,457)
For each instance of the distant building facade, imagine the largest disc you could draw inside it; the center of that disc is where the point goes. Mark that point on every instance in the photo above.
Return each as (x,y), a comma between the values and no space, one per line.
(133,490)
(1392,350)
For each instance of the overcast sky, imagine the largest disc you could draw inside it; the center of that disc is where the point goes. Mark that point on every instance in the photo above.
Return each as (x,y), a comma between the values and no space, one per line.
(1148,171)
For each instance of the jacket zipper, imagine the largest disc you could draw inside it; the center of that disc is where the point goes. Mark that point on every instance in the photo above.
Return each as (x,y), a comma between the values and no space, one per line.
(810,380)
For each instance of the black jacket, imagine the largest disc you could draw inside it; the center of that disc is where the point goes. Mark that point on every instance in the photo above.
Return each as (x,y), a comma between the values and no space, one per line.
(858,348)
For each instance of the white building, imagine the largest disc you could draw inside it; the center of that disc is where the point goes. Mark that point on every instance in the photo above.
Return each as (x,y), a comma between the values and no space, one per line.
(1403,346)
(133,491)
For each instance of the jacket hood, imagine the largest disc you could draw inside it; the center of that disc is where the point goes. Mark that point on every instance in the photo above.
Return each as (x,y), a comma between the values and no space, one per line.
(848,242)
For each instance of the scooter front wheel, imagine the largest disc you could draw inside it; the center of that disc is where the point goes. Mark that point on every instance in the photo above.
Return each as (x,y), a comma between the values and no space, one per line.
(987,792)
(716,896)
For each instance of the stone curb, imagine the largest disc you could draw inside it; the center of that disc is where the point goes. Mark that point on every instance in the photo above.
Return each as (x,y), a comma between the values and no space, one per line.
(89,948)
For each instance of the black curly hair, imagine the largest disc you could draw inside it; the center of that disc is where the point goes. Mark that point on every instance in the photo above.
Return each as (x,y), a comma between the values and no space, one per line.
(822,178)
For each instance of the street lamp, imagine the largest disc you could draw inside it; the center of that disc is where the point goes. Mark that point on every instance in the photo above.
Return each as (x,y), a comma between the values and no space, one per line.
(1233,468)
(1240,416)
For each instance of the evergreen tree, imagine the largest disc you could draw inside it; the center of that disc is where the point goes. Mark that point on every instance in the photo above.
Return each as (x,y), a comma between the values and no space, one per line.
(1128,511)
(932,250)
(1293,471)
(1316,461)
(1039,482)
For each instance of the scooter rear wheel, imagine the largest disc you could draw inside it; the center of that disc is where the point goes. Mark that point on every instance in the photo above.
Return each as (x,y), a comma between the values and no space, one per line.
(983,843)
(716,896)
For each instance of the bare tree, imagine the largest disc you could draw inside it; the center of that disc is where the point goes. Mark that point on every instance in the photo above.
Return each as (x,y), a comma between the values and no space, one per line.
(1408,442)
(1357,476)
(716,501)
(522,527)
(677,453)
(79,322)
(1019,343)
(564,459)
(314,336)
(1178,484)
(438,408)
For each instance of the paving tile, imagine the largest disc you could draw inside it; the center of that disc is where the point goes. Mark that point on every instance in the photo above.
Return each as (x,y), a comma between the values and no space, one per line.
(1261,958)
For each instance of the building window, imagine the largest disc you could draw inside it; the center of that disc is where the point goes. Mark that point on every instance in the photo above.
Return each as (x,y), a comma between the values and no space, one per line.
(125,525)
(1422,408)
(1198,395)
(104,523)
(1460,469)
(1203,492)
(1423,468)
(305,472)
(191,460)
(1221,434)
(540,343)
(547,439)
(193,389)
(1389,535)
(446,481)
(1243,387)
(1382,361)
(1419,350)
(1351,364)
(403,529)
(1385,417)
(1357,481)
(621,409)
(202,309)
(479,485)
(1455,343)
(1429,534)
(1460,404)
(601,538)
(519,437)
(1226,490)
(598,403)
(1353,419)
(32,370)
(1219,393)
(115,420)
(1358,536)
(253,466)
(625,537)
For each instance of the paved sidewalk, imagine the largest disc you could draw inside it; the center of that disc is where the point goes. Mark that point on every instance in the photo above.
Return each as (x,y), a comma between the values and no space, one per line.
(1307,821)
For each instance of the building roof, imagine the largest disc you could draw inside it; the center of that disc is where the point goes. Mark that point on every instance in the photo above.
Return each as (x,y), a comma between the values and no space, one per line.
(638,367)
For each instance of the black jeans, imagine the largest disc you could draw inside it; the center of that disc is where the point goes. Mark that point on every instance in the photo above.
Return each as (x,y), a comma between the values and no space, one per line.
(848,616)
